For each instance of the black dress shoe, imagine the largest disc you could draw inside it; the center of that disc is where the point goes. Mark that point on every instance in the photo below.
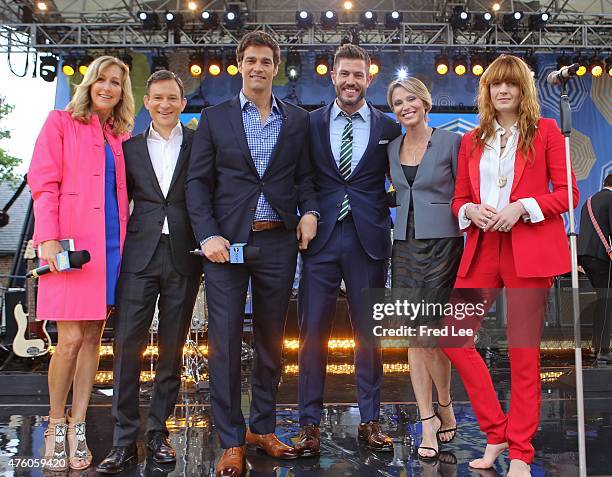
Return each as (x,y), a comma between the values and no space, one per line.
(162,451)
(118,459)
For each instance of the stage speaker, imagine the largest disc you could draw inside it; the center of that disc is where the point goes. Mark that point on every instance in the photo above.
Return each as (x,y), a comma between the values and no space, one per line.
(587,299)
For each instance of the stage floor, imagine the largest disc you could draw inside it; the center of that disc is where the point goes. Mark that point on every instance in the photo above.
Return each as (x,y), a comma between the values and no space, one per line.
(22,427)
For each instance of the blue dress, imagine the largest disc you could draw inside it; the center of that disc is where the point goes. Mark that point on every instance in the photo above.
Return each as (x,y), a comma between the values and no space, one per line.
(111,215)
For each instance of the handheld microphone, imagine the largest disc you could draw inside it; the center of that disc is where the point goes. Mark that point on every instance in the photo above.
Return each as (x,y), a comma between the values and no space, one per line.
(248,253)
(65,261)
(557,77)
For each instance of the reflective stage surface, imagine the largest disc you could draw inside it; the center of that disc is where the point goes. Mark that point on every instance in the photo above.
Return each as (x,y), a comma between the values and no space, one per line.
(22,428)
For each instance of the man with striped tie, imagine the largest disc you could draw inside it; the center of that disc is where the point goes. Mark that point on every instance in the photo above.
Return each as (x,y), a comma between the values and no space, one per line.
(348,142)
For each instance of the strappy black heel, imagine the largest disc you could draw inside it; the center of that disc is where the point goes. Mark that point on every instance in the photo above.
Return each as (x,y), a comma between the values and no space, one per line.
(428,458)
(445,431)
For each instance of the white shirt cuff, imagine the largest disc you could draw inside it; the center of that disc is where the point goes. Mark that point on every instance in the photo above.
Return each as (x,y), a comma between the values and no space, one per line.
(534,213)
(464,222)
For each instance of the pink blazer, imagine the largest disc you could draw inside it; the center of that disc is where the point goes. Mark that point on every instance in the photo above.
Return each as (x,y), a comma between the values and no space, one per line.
(66,178)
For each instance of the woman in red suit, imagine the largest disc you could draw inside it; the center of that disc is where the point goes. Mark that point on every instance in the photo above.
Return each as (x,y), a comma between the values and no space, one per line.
(515,239)
(77,180)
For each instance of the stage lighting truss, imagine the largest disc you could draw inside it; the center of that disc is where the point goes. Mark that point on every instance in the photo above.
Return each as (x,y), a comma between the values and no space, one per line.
(460,65)
(393,19)
(210,20)
(322,64)
(149,20)
(441,64)
(460,18)
(293,66)
(83,63)
(538,21)
(375,65)
(69,65)
(196,65)
(596,67)
(512,21)
(482,21)
(478,64)
(48,68)
(232,18)
(173,19)
(368,19)
(329,19)
(304,19)
(231,66)
(159,62)
(215,65)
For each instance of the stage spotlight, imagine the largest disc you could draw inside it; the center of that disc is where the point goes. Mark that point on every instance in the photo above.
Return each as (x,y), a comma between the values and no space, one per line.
(42,6)
(368,19)
(582,69)
(69,65)
(482,21)
(495,7)
(538,21)
(48,68)
(196,65)
(375,66)
(329,19)
(402,74)
(478,64)
(609,65)
(293,65)
(127,59)
(460,19)
(83,64)
(322,64)
(459,65)
(303,19)
(393,19)
(173,19)
(231,66)
(214,65)
(596,67)
(347,5)
(512,21)
(232,17)
(193,6)
(209,19)
(441,64)
(159,62)
(149,20)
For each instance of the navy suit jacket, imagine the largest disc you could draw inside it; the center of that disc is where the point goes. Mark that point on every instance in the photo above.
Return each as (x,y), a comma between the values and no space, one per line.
(365,186)
(223,186)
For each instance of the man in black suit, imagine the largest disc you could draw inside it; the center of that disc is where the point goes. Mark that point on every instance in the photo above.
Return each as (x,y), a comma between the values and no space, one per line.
(249,174)
(155,263)
(596,260)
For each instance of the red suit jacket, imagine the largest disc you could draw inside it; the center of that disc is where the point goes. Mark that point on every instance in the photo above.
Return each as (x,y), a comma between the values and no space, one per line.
(540,249)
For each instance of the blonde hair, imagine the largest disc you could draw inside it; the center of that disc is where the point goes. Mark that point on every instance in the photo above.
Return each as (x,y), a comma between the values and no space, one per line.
(411,85)
(508,69)
(123,113)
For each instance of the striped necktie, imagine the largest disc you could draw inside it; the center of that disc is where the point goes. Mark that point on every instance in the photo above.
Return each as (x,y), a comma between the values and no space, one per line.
(346,157)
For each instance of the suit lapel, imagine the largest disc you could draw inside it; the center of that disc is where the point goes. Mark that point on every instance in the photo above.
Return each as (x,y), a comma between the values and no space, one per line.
(286,126)
(181,161)
(474,167)
(376,127)
(148,165)
(324,137)
(235,119)
(520,161)
(397,165)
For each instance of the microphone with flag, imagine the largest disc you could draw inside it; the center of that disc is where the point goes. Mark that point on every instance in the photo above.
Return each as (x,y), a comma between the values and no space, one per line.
(67,260)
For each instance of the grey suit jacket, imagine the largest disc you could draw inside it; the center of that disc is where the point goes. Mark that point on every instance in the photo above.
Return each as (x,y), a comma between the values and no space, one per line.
(432,190)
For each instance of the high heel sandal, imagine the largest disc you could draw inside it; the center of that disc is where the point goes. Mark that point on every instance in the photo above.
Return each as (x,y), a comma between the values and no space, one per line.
(428,458)
(55,445)
(445,431)
(79,455)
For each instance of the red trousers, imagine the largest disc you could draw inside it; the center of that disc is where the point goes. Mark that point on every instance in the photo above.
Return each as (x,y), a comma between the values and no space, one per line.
(493,268)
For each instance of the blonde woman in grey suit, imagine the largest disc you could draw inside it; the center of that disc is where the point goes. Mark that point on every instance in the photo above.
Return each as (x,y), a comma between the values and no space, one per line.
(427,243)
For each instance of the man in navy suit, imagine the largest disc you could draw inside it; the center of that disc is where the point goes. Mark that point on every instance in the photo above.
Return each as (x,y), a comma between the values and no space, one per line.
(348,141)
(248,175)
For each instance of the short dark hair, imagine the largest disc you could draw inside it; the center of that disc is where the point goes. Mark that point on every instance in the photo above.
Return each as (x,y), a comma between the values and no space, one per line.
(608,181)
(351,52)
(258,38)
(164,75)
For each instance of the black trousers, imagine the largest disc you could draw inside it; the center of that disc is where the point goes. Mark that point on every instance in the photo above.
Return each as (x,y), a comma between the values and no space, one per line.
(599,274)
(271,275)
(136,297)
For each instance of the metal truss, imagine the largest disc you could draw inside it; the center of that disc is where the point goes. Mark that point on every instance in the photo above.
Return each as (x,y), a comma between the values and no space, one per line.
(63,37)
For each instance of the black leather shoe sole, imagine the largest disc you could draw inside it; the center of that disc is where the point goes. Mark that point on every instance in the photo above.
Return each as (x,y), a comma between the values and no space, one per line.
(127,463)
(310,453)
(163,460)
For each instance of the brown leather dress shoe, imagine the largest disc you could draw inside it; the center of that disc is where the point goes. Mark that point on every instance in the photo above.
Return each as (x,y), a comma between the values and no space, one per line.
(231,462)
(374,437)
(270,444)
(309,441)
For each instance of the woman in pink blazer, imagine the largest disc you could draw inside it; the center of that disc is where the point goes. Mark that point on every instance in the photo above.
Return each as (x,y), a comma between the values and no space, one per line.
(77,179)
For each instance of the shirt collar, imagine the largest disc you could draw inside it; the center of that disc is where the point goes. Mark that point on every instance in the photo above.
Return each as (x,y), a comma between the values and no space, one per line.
(499,129)
(244,100)
(176,132)
(363,112)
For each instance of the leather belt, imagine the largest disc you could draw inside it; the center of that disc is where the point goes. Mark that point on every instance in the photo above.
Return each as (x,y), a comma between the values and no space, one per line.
(262,225)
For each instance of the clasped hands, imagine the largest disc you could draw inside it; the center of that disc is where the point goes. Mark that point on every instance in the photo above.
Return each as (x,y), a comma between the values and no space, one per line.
(487,218)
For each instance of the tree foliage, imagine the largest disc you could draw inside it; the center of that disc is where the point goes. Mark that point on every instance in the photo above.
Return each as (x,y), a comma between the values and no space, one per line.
(8,163)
